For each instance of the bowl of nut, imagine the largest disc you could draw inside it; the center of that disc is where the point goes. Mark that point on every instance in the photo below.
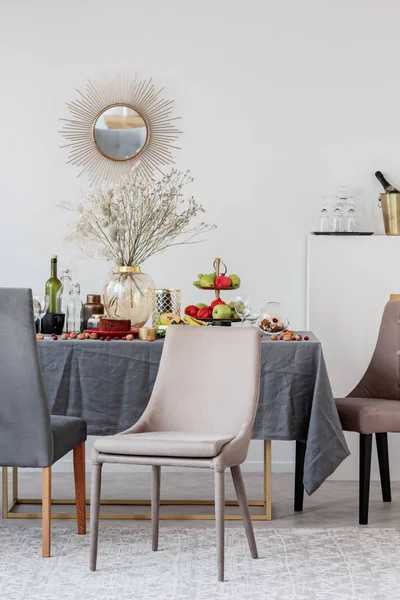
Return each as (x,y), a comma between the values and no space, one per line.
(274,319)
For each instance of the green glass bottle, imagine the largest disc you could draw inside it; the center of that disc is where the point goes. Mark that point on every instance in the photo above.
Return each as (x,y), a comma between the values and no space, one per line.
(52,286)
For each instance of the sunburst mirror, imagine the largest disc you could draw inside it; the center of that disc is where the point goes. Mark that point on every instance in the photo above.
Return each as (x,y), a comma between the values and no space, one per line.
(116,123)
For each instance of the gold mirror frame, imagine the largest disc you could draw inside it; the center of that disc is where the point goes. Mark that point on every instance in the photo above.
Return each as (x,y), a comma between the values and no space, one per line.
(140,96)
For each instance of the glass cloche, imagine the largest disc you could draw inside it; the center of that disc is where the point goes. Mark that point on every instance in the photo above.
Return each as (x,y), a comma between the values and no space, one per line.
(274,318)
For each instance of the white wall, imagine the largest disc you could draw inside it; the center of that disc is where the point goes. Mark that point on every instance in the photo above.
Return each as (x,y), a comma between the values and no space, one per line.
(280,102)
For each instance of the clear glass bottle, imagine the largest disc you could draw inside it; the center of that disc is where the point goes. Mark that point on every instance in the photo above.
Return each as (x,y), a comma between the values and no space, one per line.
(74,309)
(63,296)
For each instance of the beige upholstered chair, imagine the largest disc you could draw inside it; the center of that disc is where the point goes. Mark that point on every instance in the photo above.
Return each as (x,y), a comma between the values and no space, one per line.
(200,414)
(373,406)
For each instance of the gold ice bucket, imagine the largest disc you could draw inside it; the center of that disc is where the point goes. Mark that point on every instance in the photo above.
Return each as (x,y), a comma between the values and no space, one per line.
(390,204)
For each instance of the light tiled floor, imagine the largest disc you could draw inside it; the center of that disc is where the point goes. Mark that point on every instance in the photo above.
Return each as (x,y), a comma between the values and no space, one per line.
(335,504)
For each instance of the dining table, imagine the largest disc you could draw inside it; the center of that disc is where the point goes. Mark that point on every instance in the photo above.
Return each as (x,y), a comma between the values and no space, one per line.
(109,383)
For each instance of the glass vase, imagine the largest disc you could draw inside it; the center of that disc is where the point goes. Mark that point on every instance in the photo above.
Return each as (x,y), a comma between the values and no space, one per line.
(128,294)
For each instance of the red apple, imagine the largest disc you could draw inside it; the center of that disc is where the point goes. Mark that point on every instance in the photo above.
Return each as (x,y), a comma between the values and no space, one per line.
(222,281)
(191,310)
(204,313)
(215,302)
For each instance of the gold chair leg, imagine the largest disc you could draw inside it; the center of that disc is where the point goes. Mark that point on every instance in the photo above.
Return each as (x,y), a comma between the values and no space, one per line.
(266,516)
(15,484)
(4,494)
(46,511)
(267,479)
(80,486)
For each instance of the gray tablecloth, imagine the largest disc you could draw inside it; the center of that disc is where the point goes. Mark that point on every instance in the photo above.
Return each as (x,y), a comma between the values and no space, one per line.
(109,384)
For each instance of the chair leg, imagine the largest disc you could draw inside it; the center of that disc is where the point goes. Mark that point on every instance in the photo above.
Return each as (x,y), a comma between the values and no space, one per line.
(94,514)
(220,520)
(299,474)
(155,505)
(46,511)
(80,486)
(244,509)
(365,475)
(383,458)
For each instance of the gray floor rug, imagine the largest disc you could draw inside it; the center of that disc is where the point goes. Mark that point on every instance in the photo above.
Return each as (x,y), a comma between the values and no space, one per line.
(296,564)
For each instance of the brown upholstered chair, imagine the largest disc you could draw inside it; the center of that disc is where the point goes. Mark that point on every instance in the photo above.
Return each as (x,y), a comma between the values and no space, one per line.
(200,414)
(373,407)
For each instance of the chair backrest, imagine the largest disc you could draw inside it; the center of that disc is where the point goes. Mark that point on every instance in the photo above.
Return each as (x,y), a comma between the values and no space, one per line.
(208,381)
(382,377)
(26,438)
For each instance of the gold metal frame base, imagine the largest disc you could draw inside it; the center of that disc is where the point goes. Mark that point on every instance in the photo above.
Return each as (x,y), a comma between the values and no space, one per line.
(9,512)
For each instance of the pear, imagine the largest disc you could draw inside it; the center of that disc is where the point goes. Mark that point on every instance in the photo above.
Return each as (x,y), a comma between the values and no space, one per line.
(235,280)
(207,281)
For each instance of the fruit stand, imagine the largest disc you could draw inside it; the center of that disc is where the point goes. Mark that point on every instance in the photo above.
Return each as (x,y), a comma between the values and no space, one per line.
(218,312)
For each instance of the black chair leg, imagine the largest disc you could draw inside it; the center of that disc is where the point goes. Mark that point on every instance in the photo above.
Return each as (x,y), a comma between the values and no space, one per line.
(383,459)
(298,479)
(365,476)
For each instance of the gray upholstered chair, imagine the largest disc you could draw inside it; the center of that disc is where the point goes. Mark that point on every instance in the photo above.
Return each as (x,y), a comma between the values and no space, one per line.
(29,435)
(373,407)
(200,414)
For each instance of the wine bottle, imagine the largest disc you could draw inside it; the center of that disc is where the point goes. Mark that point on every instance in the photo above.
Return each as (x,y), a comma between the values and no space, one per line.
(389,189)
(52,286)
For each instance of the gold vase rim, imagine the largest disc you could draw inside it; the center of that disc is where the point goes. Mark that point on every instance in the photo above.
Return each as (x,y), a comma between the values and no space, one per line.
(128,269)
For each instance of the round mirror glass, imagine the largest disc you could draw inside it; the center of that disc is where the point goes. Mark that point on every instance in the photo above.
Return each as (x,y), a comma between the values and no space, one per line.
(120,132)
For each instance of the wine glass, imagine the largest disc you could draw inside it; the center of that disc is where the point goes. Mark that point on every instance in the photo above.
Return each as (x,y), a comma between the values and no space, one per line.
(252,315)
(337,219)
(241,304)
(324,221)
(40,306)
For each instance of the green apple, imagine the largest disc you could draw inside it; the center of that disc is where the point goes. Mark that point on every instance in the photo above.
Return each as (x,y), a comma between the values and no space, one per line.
(235,280)
(207,280)
(201,305)
(221,311)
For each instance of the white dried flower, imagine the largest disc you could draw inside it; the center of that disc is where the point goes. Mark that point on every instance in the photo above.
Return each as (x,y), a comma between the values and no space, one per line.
(143,217)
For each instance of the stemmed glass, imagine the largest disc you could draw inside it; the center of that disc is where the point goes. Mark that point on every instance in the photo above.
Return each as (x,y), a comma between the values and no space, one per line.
(242,304)
(40,306)
(252,315)
(324,221)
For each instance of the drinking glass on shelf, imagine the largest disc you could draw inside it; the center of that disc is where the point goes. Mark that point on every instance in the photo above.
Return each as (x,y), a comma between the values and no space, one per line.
(351,220)
(337,219)
(241,304)
(40,307)
(324,223)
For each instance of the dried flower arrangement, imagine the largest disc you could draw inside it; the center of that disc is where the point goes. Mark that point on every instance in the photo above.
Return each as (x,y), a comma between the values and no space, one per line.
(137,219)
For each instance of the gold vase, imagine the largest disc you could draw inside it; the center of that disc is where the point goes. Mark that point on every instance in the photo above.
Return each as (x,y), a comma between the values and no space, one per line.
(128,294)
